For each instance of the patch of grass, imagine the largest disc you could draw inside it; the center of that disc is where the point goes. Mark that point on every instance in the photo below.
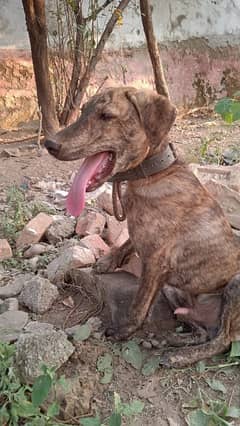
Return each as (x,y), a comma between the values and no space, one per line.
(19,211)
(209,412)
(208,153)
(120,411)
(20,403)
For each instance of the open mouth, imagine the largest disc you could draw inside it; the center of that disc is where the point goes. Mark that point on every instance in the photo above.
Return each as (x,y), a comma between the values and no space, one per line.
(92,174)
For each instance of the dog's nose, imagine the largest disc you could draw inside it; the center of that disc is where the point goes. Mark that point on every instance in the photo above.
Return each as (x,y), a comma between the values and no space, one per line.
(52,147)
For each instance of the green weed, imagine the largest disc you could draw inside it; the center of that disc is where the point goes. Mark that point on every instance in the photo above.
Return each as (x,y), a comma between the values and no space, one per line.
(19,211)
(20,403)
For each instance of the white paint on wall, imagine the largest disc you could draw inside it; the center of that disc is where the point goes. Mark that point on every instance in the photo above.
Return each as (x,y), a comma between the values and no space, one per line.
(174,20)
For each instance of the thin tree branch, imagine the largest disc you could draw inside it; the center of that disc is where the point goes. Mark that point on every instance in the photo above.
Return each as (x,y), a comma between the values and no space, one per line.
(99,10)
(72,115)
(153,49)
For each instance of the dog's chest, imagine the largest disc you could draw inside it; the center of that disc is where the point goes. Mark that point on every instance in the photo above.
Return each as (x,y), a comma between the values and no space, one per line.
(148,224)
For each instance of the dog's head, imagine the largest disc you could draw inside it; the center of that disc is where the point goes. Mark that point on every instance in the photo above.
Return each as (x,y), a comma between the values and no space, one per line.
(117,130)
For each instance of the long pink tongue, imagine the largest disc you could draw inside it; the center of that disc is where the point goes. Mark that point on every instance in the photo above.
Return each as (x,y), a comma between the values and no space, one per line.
(76,197)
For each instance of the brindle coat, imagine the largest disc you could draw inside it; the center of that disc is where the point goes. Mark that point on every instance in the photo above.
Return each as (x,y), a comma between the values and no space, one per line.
(175,225)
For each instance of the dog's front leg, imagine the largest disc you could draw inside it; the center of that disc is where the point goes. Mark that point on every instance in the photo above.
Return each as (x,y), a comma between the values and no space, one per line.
(152,279)
(115,259)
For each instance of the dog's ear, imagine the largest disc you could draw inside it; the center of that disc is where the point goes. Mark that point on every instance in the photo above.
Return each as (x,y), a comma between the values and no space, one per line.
(156,113)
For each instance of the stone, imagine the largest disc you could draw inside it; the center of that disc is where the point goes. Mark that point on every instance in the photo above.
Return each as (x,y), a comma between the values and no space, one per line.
(234,220)
(228,199)
(62,227)
(38,295)
(35,250)
(10,304)
(96,244)
(75,399)
(116,233)
(11,325)
(33,263)
(155,343)
(5,250)
(104,201)
(95,323)
(72,258)
(34,230)
(146,345)
(231,156)
(227,175)
(15,287)
(41,344)
(90,222)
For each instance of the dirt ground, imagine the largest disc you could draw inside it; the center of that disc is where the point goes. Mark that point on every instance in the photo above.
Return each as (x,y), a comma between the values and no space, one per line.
(169,395)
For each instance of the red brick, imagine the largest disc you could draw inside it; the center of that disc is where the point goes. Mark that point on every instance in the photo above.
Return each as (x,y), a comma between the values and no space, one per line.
(116,232)
(90,222)
(104,201)
(5,250)
(34,230)
(96,244)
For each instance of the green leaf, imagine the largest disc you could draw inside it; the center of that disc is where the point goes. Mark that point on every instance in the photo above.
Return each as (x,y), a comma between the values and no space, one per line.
(236,111)
(82,333)
(233,412)
(132,408)
(53,409)
(132,354)
(151,366)
(199,418)
(228,117)
(235,349)
(90,421)
(216,385)
(41,388)
(223,105)
(201,367)
(104,366)
(115,420)
(4,415)
(26,409)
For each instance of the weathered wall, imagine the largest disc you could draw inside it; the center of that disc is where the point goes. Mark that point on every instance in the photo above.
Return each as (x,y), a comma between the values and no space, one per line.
(174,20)
(200,47)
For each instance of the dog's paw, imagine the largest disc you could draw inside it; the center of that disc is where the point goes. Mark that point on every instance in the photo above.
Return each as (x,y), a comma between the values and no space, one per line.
(105,265)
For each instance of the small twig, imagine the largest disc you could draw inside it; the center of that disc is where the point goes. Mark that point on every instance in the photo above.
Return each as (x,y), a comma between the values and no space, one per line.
(27,138)
(231,397)
(102,84)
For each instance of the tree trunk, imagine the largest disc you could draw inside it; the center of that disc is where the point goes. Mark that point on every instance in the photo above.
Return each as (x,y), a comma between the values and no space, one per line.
(37,30)
(160,82)
(84,81)
(78,63)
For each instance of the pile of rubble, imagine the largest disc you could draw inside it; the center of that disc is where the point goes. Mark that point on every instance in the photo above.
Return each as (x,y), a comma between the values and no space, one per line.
(73,244)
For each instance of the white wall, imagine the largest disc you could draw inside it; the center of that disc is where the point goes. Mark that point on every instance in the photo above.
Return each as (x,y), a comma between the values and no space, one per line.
(174,20)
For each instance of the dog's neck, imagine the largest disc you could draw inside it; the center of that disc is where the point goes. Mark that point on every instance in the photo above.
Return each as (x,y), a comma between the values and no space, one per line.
(150,166)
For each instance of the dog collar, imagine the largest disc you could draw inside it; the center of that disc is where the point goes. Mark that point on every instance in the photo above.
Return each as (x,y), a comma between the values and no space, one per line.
(150,166)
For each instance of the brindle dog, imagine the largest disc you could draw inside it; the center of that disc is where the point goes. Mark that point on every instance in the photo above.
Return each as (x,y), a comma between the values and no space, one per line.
(177,228)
